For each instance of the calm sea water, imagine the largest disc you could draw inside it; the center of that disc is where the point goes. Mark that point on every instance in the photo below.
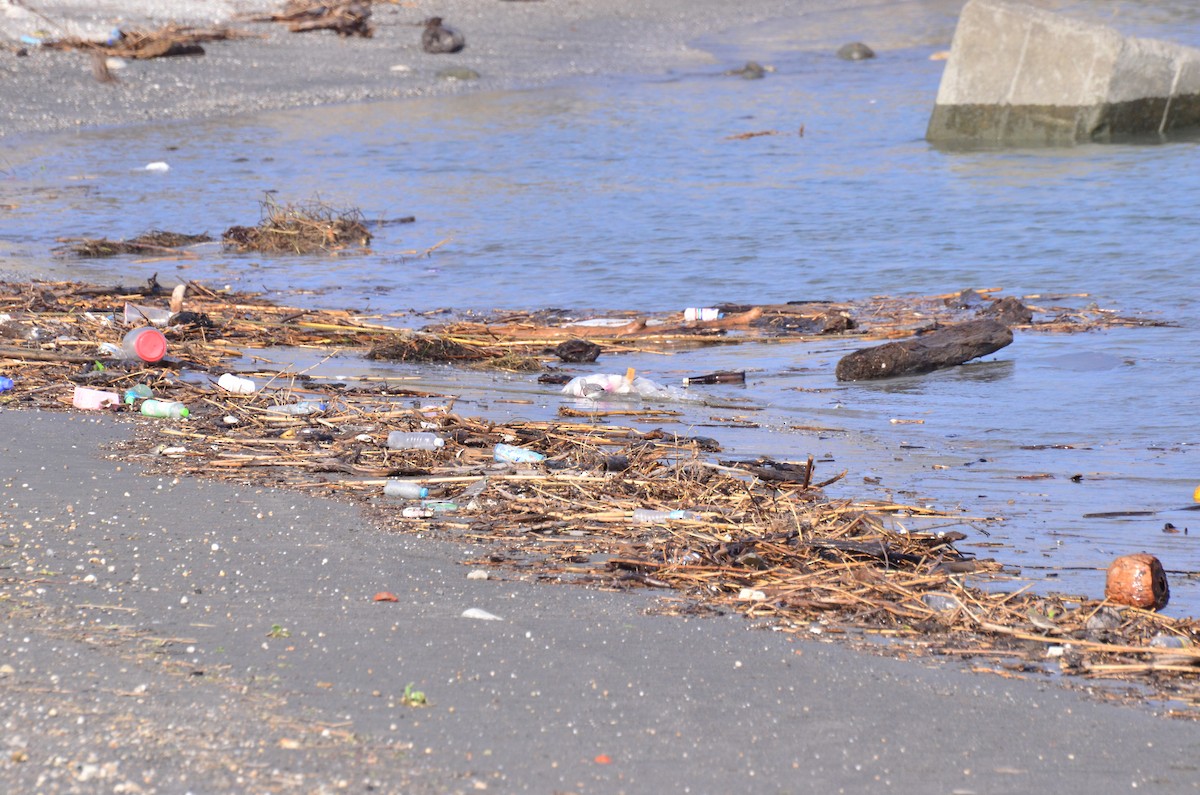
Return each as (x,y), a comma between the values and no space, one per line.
(632,194)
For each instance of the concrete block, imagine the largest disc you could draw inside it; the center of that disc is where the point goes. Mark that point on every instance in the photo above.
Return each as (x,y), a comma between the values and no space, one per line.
(1023,75)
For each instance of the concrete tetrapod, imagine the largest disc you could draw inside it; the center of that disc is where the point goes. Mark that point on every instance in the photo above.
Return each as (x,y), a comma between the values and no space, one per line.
(1022,75)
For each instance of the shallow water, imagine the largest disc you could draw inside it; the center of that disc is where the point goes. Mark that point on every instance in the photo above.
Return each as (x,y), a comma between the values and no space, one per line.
(631,194)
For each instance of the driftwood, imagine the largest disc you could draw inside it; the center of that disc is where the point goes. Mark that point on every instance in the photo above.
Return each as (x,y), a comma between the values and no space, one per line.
(934,350)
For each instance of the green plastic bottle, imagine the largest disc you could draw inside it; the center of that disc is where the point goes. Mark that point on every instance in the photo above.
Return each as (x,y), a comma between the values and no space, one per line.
(164,408)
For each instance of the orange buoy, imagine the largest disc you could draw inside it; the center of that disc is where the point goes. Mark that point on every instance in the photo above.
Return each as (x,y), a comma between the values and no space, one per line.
(1138,581)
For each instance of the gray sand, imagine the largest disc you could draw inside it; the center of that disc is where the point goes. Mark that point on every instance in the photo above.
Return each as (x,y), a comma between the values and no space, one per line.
(510,44)
(172,637)
(144,644)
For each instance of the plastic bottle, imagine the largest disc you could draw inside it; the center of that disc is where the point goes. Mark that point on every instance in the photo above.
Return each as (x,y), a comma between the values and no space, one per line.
(650,516)
(87,398)
(146,314)
(236,384)
(5,384)
(517,455)
(136,393)
(409,489)
(164,408)
(145,343)
(405,440)
(702,314)
(303,407)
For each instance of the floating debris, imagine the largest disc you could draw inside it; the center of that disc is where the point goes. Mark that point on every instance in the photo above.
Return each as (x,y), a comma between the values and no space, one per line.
(300,229)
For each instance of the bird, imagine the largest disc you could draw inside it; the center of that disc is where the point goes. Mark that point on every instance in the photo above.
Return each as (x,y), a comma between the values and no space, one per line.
(437,38)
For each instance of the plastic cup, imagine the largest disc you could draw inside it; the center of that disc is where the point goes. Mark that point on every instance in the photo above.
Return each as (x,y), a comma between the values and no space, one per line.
(87,398)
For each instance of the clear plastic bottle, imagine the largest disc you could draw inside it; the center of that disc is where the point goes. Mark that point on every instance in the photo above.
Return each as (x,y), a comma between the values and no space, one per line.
(409,489)
(145,343)
(136,393)
(649,516)
(236,384)
(405,440)
(301,408)
(517,455)
(164,408)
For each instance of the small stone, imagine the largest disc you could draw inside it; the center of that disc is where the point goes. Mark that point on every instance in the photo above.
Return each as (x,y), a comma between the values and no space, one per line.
(1009,311)
(477,574)
(1138,581)
(480,615)
(458,73)
(855,51)
(753,70)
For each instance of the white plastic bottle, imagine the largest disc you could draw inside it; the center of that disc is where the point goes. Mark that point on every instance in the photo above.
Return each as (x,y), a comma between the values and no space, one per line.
(649,516)
(409,489)
(303,407)
(404,440)
(236,384)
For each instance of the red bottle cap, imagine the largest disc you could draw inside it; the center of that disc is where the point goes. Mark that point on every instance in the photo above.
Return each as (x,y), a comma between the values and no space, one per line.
(149,344)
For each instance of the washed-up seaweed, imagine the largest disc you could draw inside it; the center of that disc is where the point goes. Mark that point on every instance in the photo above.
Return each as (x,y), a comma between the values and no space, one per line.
(153,242)
(758,537)
(344,17)
(303,228)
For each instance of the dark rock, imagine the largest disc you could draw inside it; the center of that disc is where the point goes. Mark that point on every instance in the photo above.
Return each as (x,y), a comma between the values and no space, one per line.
(855,51)
(836,323)
(577,351)
(751,71)
(965,300)
(438,38)
(1009,311)
(944,347)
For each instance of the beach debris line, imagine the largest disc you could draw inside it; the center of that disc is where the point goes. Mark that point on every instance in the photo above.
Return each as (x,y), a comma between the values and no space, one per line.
(934,350)
(813,565)
(302,228)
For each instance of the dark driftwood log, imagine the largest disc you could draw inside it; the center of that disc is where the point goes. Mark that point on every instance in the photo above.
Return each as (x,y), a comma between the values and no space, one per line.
(942,348)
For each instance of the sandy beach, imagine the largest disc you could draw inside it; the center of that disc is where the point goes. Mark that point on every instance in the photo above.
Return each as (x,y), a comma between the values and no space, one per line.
(170,636)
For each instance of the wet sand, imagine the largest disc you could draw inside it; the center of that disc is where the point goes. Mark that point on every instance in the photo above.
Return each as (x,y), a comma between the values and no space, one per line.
(173,636)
